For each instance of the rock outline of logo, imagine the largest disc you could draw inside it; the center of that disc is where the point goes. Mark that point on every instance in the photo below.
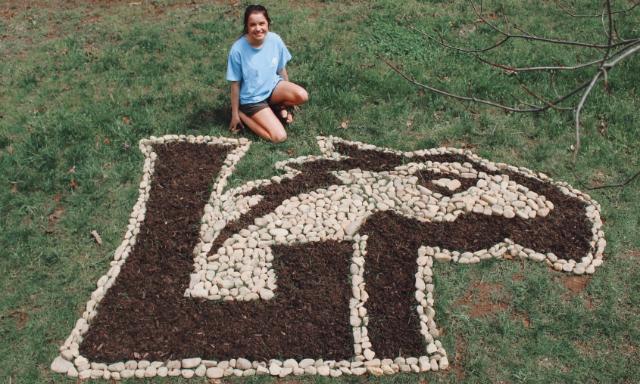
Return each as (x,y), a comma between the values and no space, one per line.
(72,363)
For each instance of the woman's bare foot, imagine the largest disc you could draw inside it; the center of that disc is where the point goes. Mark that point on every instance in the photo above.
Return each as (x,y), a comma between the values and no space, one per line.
(285,114)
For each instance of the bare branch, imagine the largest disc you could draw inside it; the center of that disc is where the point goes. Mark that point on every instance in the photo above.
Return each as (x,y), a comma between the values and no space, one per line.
(484,101)
(613,53)
(447,45)
(593,81)
(510,68)
(632,48)
(538,97)
(572,14)
(527,36)
(623,184)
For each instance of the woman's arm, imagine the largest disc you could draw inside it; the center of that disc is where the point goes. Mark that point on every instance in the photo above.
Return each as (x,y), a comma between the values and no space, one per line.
(283,73)
(235,107)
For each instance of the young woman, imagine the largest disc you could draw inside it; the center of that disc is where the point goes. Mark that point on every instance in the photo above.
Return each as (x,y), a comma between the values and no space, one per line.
(262,96)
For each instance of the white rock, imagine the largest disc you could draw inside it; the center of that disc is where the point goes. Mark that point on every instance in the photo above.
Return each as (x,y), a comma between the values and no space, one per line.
(190,363)
(444,362)
(368,354)
(266,294)
(201,370)
(116,367)
(376,371)
(290,363)
(274,369)
(323,370)
(425,364)
(306,363)
(150,372)
(60,365)
(243,363)
(187,373)
(126,373)
(358,371)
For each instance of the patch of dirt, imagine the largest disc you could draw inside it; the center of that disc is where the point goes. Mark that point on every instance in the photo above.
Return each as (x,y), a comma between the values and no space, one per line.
(523,318)
(479,299)
(631,254)
(461,352)
(517,277)
(20,317)
(575,284)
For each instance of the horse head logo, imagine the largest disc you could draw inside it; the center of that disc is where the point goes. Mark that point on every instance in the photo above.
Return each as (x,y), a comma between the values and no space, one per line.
(330,265)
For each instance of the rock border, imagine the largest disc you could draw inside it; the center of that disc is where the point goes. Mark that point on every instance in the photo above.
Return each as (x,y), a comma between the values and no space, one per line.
(232,203)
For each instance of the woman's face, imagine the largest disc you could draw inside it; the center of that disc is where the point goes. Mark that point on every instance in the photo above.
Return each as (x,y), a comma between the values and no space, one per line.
(257,28)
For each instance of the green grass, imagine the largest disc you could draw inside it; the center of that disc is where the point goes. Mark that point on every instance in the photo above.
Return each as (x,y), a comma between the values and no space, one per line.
(79,86)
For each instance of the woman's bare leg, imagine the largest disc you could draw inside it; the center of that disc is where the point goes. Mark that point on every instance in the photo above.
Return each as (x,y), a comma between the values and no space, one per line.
(289,94)
(265,124)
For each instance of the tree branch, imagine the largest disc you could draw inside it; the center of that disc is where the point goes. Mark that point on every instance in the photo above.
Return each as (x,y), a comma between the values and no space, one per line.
(484,101)
(527,36)
(593,81)
(616,185)
(568,12)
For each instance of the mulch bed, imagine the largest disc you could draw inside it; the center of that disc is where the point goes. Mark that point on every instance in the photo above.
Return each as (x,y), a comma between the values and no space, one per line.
(146,316)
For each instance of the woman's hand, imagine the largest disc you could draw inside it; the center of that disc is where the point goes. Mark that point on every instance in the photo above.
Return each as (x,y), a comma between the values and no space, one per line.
(236,124)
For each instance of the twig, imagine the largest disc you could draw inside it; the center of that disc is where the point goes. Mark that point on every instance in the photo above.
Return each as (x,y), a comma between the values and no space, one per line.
(568,12)
(616,185)
(483,101)
(595,78)
(527,36)
(510,68)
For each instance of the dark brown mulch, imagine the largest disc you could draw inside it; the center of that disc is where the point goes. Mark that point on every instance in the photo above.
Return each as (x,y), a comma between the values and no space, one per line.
(144,315)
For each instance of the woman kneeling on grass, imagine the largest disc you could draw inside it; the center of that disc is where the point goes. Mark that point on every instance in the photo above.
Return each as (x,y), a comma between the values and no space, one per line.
(262,97)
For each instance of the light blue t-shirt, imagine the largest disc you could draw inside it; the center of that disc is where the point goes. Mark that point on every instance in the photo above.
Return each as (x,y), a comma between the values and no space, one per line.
(257,68)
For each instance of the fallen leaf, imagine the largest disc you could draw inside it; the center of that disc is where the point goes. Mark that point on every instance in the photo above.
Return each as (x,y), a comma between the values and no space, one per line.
(126,120)
(410,122)
(10,149)
(106,141)
(14,187)
(73,184)
(96,237)
(56,215)
(603,127)
(344,124)
(72,169)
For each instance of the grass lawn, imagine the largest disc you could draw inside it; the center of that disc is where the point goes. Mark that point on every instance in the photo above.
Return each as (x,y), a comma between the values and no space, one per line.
(80,84)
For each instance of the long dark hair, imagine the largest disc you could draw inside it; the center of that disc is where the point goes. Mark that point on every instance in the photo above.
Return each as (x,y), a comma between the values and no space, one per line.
(255,8)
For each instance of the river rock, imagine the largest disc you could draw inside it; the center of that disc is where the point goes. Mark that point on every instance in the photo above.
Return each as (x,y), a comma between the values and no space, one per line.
(191,363)
(61,365)
(242,363)
(215,373)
